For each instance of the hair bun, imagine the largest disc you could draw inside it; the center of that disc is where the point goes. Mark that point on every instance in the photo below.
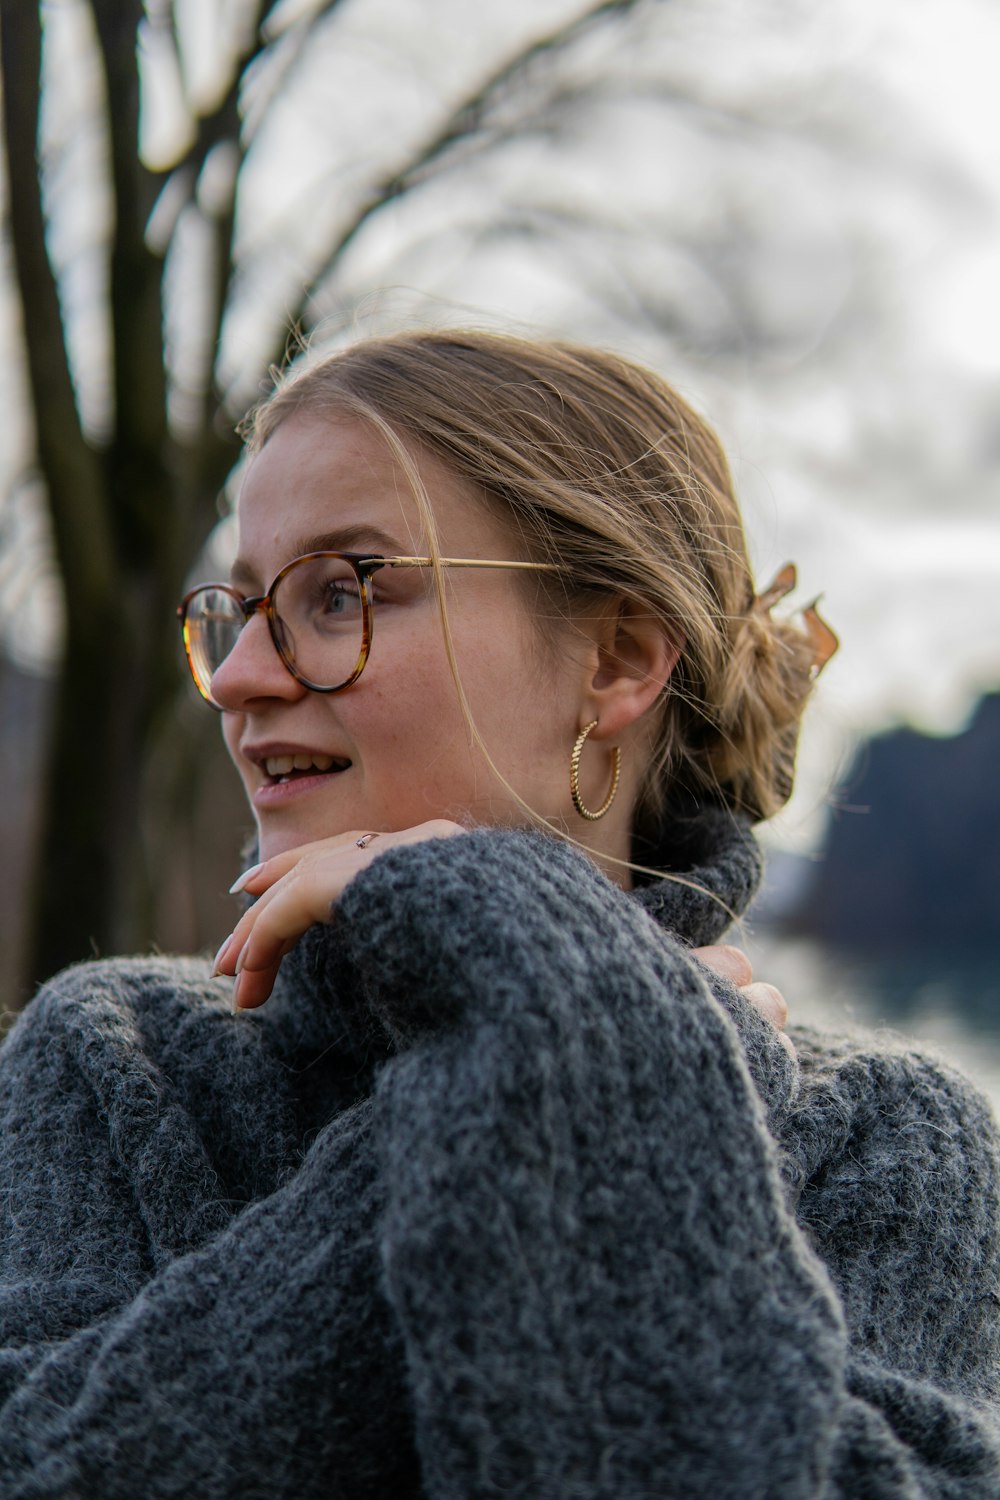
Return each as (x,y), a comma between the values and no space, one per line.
(767,678)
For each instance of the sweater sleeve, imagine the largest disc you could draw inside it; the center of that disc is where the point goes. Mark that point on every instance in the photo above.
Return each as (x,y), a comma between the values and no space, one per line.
(896,1166)
(262,1361)
(587,1239)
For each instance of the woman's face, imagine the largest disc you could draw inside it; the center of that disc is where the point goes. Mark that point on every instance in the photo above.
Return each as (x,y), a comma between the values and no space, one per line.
(400,747)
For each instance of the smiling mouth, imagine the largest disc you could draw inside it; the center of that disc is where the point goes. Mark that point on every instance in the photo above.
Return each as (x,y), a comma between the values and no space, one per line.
(281,768)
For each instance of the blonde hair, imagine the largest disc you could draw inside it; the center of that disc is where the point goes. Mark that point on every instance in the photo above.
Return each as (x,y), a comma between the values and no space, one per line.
(598,466)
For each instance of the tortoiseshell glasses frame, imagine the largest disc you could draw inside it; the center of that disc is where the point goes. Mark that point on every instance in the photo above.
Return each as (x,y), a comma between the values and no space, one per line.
(214,606)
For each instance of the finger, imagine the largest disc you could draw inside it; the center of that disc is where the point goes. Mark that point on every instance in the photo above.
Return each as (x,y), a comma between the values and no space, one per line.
(274,932)
(768,1002)
(230,949)
(259,877)
(275,879)
(252,987)
(732,963)
(229,953)
(295,903)
(227,960)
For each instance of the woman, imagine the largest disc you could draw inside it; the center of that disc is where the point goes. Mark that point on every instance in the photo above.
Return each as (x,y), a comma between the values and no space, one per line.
(493,1189)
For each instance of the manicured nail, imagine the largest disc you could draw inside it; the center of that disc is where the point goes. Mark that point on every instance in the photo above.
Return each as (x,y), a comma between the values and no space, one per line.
(236,994)
(217,961)
(240,882)
(243,953)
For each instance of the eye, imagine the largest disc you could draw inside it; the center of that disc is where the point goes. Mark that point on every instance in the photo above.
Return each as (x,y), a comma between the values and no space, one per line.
(340,596)
(319,594)
(331,589)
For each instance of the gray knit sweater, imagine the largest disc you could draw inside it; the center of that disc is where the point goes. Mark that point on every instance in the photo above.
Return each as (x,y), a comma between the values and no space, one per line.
(494,1198)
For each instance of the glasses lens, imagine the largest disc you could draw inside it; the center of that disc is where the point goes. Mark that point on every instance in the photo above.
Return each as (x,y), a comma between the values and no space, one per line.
(212,624)
(319,620)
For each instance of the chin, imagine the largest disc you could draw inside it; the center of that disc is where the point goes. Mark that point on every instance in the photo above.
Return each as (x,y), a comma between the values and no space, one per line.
(274,841)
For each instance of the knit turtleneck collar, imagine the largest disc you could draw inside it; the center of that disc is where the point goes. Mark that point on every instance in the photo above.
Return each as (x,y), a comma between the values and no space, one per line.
(712,865)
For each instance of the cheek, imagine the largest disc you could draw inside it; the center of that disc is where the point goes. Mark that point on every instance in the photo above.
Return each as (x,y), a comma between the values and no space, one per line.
(508,674)
(408,713)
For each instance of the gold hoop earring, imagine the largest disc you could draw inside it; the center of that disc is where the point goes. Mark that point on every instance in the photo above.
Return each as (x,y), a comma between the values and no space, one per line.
(574,777)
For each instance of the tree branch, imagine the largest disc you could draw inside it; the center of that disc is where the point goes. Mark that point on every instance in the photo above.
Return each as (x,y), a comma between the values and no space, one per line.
(224,126)
(464,122)
(136,274)
(70,468)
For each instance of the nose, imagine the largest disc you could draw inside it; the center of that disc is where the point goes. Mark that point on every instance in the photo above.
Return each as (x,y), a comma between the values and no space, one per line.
(253,670)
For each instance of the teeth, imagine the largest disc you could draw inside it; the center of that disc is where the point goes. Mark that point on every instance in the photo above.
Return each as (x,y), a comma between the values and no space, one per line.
(305,762)
(283,765)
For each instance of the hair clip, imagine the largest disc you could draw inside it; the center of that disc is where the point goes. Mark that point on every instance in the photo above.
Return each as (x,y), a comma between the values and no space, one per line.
(781,584)
(823,640)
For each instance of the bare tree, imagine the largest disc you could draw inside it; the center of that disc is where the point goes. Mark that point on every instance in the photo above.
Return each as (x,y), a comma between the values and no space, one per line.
(130,505)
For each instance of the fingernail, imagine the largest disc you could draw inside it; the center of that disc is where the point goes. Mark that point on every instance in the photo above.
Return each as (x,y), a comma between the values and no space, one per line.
(240,882)
(217,961)
(236,994)
(242,957)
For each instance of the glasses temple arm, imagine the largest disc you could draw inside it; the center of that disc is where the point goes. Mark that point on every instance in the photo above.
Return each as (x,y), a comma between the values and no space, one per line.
(466,562)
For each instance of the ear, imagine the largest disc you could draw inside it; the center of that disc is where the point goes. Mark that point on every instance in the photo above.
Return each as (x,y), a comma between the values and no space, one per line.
(635,656)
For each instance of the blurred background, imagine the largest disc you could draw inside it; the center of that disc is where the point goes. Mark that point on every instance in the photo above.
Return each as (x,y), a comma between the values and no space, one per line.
(790,208)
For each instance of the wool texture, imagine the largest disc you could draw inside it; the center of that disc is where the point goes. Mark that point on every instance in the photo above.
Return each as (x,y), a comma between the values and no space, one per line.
(501,1194)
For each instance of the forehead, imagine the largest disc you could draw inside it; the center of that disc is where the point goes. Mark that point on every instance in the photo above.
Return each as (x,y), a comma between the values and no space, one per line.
(335,478)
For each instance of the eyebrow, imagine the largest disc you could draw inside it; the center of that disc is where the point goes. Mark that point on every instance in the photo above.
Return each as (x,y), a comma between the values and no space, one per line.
(365,539)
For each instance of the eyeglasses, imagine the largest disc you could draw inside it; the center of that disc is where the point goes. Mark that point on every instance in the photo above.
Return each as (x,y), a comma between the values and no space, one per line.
(319,611)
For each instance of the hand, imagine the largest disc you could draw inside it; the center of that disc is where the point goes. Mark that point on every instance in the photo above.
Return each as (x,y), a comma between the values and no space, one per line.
(295,890)
(734,965)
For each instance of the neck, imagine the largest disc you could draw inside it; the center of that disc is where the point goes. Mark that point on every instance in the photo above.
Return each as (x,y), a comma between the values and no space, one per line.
(608,843)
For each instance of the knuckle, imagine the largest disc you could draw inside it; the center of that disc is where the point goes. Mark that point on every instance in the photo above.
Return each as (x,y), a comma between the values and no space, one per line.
(729,961)
(778,1004)
(741,965)
(443,827)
